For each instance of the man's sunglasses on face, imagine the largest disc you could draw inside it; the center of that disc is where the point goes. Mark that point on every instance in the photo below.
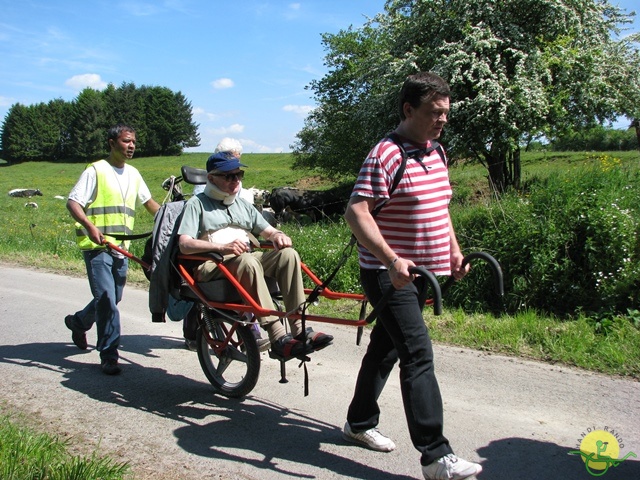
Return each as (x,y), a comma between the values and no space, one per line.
(230,177)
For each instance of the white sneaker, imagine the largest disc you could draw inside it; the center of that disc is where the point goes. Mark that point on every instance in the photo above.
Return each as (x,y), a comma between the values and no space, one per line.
(450,467)
(371,438)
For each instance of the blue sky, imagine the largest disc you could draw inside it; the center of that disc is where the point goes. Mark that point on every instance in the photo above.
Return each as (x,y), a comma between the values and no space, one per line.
(243,64)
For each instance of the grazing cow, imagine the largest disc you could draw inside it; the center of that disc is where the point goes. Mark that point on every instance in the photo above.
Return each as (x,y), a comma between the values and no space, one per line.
(314,203)
(269,216)
(25,192)
(31,205)
(260,197)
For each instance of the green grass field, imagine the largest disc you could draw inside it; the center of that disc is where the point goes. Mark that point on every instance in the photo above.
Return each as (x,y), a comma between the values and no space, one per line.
(43,238)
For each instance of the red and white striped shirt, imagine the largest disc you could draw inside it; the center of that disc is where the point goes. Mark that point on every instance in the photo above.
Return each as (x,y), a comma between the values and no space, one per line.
(414,220)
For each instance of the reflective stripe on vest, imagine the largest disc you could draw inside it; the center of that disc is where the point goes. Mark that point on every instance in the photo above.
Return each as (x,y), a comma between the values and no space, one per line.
(110,212)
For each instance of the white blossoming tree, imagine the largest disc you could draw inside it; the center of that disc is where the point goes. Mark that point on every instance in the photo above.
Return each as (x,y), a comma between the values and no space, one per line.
(518,69)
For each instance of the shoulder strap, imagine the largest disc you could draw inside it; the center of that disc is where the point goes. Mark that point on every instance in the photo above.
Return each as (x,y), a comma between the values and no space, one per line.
(438,148)
(395,138)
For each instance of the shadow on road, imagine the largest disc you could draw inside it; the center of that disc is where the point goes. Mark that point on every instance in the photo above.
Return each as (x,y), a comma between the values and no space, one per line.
(254,431)
(534,460)
(248,431)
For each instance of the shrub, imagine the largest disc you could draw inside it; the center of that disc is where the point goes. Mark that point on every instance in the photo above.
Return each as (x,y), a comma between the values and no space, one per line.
(568,244)
(322,246)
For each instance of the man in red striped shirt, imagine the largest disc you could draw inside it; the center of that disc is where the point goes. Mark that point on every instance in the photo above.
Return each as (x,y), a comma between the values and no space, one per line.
(398,228)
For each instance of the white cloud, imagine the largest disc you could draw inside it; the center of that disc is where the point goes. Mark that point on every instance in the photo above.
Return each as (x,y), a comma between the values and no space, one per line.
(200,112)
(140,9)
(293,11)
(210,136)
(231,129)
(222,83)
(92,80)
(146,9)
(6,101)
(298,109)
(251,146)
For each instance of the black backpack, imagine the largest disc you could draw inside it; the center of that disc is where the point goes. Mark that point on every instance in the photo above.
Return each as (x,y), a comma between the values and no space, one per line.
(395,138)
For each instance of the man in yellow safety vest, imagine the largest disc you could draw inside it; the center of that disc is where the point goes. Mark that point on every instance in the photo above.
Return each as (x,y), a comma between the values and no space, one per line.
(103,203)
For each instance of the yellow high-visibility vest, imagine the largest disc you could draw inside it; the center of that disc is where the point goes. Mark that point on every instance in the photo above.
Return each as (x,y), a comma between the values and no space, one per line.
(113,210)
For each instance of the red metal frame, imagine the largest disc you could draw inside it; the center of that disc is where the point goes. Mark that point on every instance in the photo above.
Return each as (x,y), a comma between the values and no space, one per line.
(252,306)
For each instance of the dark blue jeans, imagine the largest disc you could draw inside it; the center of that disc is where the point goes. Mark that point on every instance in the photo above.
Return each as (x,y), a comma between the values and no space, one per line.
(400,334)
(107,278)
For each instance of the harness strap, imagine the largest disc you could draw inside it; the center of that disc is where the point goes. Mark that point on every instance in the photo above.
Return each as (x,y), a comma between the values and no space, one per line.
(136,236)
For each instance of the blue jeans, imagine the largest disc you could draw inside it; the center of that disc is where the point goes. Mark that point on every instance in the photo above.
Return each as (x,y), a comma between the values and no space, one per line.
(107,278)
(400,333)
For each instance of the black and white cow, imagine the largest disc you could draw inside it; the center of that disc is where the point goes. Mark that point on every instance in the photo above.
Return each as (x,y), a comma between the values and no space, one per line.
(25,192)
(314,203)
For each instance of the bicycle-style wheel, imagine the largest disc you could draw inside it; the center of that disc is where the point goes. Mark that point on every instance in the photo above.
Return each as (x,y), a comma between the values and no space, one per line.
(232,361)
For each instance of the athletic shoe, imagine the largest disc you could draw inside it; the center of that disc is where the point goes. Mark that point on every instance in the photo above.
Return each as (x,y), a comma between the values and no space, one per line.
(191,345)
(317,340)
(77,336)
(450,467)
(371,438)
(287,347)
(263,344)
(110,366)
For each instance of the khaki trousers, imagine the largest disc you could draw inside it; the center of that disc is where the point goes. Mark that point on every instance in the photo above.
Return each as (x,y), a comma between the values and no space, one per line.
(251,268)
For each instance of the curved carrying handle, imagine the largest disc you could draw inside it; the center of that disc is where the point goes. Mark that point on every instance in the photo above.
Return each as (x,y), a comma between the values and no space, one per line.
(437,294)
(496,272)
(127,254)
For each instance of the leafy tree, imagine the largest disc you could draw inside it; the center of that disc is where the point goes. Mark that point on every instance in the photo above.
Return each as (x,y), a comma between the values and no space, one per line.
(89,125)
(162,119)
(167,120)
(636,125)
(125,105)
(18,134)
(597,138)
(53,133)
(518,69)
(347,122)
(36,132)
(185,131)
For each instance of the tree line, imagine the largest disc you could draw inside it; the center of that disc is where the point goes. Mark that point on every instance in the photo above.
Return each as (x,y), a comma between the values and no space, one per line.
(519,71)
(77,130)
(597,139)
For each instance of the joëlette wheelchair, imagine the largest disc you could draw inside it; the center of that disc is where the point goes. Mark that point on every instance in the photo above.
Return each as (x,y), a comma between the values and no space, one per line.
(226,314)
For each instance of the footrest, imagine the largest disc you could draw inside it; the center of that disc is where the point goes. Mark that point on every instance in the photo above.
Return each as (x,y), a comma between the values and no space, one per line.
(303,357)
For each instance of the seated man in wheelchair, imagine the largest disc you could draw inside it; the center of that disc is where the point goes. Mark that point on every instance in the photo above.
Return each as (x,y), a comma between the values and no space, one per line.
(218,220)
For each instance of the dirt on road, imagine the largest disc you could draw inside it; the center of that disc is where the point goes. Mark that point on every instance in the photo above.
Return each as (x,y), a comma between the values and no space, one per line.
(520,419)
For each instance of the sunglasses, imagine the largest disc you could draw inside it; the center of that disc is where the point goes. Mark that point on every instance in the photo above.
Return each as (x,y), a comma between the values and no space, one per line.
(230,177)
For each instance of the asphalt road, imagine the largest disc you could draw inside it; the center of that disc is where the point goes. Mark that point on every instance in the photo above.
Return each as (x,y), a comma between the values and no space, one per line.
(519,418)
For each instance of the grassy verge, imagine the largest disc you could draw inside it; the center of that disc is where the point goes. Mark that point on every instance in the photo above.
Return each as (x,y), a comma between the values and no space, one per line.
(530,335)
(26,454)
(42,238)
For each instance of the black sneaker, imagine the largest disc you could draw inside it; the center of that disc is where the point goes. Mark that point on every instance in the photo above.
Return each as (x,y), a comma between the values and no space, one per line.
(110,366)
(288,347)
(317,340)
(78,336)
